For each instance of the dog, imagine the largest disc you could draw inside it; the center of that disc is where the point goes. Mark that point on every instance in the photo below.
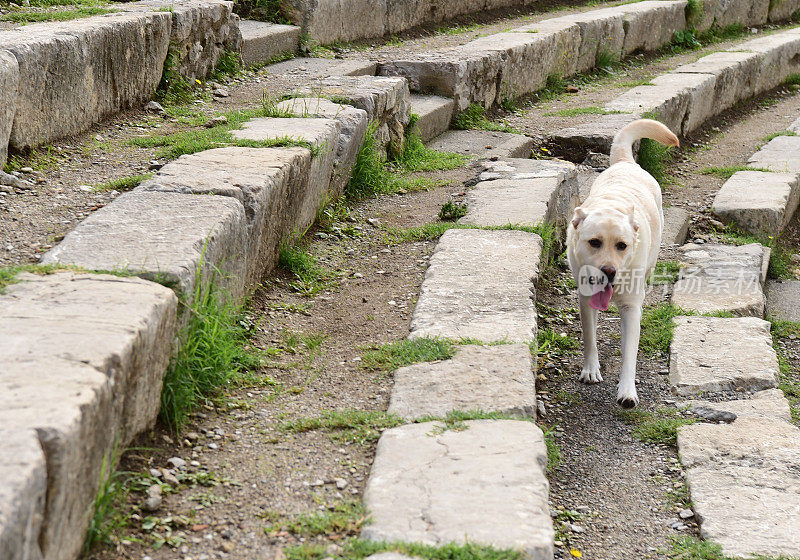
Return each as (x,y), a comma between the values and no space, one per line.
(612,247)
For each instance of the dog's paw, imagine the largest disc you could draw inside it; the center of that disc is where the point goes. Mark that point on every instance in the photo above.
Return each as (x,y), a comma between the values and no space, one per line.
(627,399)
(590,375)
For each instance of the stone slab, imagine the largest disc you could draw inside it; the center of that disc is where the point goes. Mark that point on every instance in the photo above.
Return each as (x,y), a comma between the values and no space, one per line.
(321,133)
(781,155)
(714,354)
(577,141)
(507,201)
(676,226)
(83,360)
(736,75)
(164,236)
(744,483)
(487,378)
(9,86)
(484,144)
(23,486)
(307,68)
(780,53)
(770,402)
(353,124)
(758,202)
(483,485)
(66,83)
(271,184)
(434,114)
(262,42)
(783,300)
(480,285)
(722,278)
(795,126)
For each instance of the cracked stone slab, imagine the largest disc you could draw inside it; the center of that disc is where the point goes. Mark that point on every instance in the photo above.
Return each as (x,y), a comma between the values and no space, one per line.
(271,184)
(480,285)
(487,378)
(676,226)
(770,402)
(305,68)
(736,74)
(263,41)
(164,236)
(484,485)
(484,144)
(744,483)
(23,486)
(83,359)
(783,300)
(716,354)
(757,201)
(321,133)
(781,155)
(779,53)
(434,114)
(722,278)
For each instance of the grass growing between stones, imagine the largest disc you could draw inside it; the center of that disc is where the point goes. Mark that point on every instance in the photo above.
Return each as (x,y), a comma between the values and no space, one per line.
(393,355)
(692,548)
(788,379)
(108,518)
(417,157)
(665,272)
(474,117)
(653,158)
(774,135)
(24,17)
(310,277)
(342,520)
(347,425)
(551,344)
(357,549)
(452,211)
(658,327)
(660,426)
(727,172)
(780,258)
(9,275)
(215,351)
(123,183)
(553,451)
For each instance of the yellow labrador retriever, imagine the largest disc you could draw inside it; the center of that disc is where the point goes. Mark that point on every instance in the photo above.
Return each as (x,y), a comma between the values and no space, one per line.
(612,247)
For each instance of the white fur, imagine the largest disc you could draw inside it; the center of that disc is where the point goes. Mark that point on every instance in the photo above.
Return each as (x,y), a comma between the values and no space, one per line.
(624,206)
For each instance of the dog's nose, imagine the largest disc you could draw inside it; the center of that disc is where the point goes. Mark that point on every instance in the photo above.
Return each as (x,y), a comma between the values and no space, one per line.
(609,271)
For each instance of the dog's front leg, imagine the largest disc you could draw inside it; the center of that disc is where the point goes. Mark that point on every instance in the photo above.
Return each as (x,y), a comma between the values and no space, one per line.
(591,361)
(631,328)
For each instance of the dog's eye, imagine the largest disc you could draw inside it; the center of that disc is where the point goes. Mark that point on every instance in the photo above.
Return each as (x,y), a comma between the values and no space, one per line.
(621,246)
(596,243)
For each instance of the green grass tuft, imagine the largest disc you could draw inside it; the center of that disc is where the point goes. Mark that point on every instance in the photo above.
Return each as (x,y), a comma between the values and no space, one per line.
(123,184)
(774,135)
(665,272)
(553,451)
(657,328)
(780,258)
(58,15)
(693,11)
(107,515)
(606,59)
(653,158)
(474,117)
(343,519)
(357,549)
(417,157)
(551,343)
(393,355)
(228,65)
(311,278)
(452,211)
(792,80)
(346,426)
(655,427)
(727,172)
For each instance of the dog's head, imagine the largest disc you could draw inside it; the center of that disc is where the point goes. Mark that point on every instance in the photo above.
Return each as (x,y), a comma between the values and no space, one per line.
(604,238)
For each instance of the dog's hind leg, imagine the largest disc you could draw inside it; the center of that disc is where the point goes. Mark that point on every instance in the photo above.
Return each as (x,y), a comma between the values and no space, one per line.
(591,361)
(631,315)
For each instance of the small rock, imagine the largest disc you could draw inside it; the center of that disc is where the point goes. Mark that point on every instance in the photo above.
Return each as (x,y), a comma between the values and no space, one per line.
(540,409)
(341,483)
(154,107)
(85,188)
(226,546)
(221,91)
(216,121)
(333,550)
(155,472)
(27,170)
(713,415)
(169,477)
(686,513)
(573,89)
(177,462)
(212,445)
(374,222)
(716,224)
(575,528)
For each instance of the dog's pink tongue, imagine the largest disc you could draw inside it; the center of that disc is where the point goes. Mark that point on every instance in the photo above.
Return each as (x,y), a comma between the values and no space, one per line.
(601,300)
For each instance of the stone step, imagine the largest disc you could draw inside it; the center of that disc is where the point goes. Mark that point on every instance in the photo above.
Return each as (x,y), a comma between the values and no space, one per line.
(676,226)
(480,285)
(434,114)
(484,144)
(82,364)
(769,402)
(717,355)
(309,68)
(719,278)
(744,477)
(263,42)
(781,155)
(688,96)
(482,485)
(783,300)
(522,192)
(758,202)
(487,378)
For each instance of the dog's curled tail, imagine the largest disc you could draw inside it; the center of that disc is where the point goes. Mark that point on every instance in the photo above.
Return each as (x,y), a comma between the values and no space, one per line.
(622,146)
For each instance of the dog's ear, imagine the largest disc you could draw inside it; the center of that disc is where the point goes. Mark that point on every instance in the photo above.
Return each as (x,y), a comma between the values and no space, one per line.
(632,219)
(578,217)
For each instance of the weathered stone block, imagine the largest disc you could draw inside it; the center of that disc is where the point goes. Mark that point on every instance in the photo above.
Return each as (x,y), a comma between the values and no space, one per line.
(327,21)
(82,367)
(722,278)
(676,226)
(164,236)
(9,88)
(353,130)
(562,38)
(66,83)
(770,402)
(602,34)
(650,25)
(780,57)
(466,294)
(434,114)
(782,10)
(262,42)
(323,134)
(484,144)
(596,136)
(736,75)
(321,67)
(783,300)
(744,484)
(271,184)
(506,201)
(23,486)
(758,202)
(483,485)
(744,12)
(779,155)
(714,354)
(488,378)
